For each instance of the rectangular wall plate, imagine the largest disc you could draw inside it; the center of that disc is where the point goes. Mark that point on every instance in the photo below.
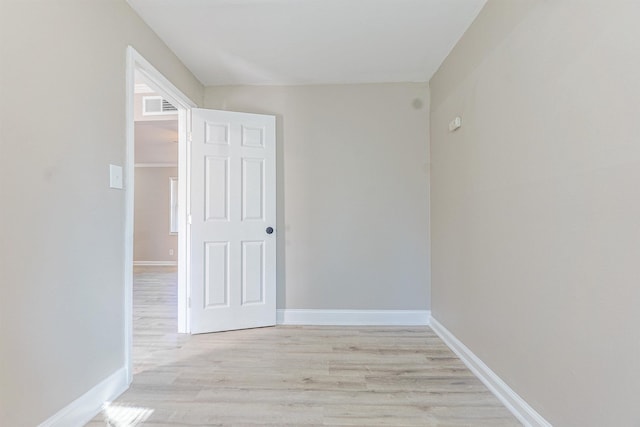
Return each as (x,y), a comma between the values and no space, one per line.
(455,124)
(115,177)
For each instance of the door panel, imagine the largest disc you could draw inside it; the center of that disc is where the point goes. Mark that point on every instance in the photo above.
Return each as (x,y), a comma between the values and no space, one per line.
(253,272)
(233,201)
(216,277)
(253,189)
(217,188)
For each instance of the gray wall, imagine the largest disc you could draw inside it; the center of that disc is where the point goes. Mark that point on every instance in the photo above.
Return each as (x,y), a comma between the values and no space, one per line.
(353,183)
(536,203)
(62,86)
(152,241)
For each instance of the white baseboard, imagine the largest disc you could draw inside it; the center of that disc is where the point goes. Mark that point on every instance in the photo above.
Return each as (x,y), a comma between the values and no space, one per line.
(154,263)
(354,317)
(514,403)
(83,409)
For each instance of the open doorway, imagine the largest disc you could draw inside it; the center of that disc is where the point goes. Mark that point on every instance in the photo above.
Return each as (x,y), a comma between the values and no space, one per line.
(156,183)
(156,232)
(155,239)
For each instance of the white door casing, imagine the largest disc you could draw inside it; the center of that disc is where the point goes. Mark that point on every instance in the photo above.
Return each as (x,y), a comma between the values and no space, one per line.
(233,204)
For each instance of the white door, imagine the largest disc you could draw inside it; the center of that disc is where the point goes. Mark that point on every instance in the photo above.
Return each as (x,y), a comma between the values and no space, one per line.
(233,217)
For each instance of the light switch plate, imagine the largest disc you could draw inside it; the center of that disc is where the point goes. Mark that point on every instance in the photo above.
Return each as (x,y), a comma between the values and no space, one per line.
(115,176)
(455,124)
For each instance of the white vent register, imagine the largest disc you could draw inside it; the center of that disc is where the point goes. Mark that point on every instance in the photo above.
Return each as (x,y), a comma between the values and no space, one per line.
(156,105)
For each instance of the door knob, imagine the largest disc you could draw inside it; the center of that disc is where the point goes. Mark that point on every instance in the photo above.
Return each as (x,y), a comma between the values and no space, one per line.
(269,230)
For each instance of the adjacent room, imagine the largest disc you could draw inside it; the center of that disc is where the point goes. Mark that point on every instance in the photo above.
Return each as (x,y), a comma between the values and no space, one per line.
(319,212)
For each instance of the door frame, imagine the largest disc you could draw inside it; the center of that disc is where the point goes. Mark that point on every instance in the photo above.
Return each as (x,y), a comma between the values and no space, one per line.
(159,83)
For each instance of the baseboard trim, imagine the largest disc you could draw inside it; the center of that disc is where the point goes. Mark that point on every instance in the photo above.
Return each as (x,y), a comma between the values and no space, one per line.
(514,403)
(155,263)
(83,409)
(354,317)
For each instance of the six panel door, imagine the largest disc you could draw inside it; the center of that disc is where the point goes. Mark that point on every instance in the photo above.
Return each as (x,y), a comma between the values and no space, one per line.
(233,214)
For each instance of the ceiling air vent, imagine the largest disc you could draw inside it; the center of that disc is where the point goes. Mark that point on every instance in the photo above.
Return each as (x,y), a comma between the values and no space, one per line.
(156,105)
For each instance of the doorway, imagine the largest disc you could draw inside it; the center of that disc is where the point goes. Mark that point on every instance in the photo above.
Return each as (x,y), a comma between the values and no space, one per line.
(158,89)
(156,177)
(155,234)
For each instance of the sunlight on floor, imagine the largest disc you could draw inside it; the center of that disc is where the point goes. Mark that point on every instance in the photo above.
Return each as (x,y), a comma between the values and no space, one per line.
(124,416)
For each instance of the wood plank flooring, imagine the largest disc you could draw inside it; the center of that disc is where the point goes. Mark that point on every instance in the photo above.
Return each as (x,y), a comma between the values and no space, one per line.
(291,375)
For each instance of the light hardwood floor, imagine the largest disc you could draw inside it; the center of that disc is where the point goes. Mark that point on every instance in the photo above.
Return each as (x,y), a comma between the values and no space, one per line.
(291,375)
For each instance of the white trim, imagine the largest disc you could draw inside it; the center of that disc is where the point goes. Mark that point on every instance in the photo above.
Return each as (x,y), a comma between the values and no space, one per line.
(354,317)
(514,403)
(155,263)
(129,186)
(83,409)
(174,208)
(135,63)
(155,165)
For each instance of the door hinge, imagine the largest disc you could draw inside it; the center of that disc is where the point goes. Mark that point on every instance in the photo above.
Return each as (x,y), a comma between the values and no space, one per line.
(189,136)
(189,302)
(189,219)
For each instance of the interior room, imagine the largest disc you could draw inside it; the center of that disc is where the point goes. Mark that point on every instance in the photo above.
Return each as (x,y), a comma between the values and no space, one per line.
(441,196)
(156,169)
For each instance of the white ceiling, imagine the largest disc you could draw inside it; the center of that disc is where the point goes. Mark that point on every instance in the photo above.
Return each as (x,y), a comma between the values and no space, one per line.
(286,42)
